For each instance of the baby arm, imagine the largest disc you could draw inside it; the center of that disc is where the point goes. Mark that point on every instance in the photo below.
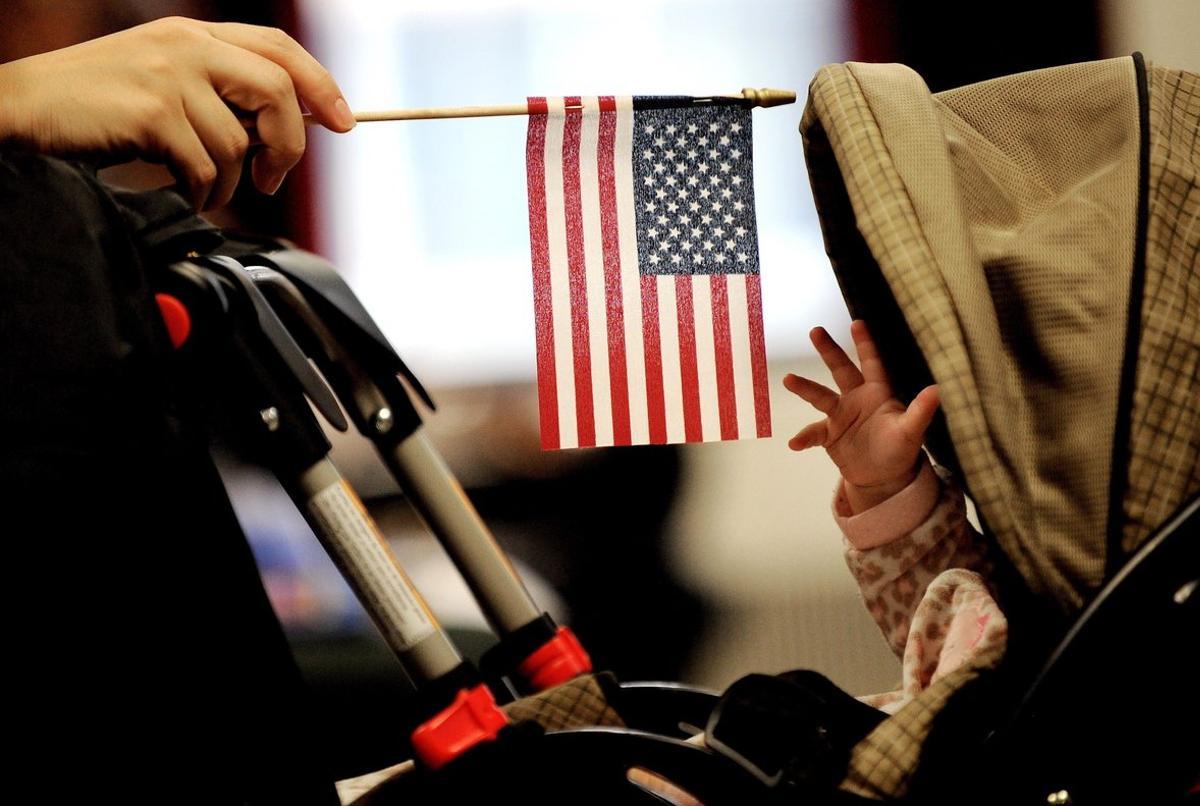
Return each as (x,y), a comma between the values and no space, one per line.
(896,549)
(903,525)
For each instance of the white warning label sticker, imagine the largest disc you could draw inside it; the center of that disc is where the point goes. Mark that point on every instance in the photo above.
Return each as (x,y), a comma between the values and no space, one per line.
(358,548)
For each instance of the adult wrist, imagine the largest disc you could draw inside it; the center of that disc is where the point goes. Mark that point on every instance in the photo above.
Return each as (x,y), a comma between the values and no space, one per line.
(13,112)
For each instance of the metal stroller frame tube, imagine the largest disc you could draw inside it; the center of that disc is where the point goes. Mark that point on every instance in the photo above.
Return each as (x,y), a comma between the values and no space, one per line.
(394,427)
(356,359)
(238,345)
(361,553)
(238,338)
(338,334)
(266,373)
(440,500)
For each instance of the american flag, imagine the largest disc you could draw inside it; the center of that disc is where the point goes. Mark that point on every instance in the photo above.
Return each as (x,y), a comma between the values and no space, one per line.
(645,270)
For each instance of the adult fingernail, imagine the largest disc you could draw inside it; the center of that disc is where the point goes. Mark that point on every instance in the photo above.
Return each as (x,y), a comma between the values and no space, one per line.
(345,117)
(274,184)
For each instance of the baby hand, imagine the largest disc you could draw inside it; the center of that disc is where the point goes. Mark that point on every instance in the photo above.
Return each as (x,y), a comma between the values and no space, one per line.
(873,439)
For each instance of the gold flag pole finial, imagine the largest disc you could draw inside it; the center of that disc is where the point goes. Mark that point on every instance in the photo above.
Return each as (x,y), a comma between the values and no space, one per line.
(767,97)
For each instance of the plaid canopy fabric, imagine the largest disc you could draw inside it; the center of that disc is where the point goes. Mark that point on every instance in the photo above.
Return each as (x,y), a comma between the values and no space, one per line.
(1029,243)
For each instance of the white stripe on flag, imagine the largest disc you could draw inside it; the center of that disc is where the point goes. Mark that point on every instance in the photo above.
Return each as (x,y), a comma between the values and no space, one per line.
(560,285)
(597,309)
(743,378)
(631,276)
(706,357)
(668,318)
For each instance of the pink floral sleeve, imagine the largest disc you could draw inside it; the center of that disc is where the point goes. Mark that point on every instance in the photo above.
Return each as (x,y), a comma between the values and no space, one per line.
(923,573)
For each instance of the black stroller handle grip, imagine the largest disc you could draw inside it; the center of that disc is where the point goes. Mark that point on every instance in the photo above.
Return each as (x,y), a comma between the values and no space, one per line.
(280,340)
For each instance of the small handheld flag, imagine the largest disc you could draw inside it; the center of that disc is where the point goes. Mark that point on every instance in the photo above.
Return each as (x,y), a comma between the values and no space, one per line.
(646,274)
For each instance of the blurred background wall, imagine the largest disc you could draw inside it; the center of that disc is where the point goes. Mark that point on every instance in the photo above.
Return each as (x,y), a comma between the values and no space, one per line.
(699,563)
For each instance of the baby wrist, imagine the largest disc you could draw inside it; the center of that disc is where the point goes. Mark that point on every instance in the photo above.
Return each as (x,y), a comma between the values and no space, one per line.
(891,518)
(864,497)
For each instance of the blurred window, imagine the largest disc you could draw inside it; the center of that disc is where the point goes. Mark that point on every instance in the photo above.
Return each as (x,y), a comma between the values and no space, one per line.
(428,219)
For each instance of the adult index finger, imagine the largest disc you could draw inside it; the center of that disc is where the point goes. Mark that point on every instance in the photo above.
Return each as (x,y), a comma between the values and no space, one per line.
(257,85)
(314,85)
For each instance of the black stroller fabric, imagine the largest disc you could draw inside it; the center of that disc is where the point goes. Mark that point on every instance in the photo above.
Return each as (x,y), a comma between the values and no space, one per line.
(145,663)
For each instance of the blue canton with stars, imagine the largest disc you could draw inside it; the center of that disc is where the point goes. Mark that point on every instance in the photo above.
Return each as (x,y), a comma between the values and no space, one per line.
(693,185)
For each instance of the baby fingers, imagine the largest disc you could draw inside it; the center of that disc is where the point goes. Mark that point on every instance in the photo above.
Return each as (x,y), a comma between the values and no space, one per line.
(845,374)
(868,354)
(810,436)
(919,414)
(822,398)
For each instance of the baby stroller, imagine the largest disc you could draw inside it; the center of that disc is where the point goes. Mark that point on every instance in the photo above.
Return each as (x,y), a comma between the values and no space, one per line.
(1030,244)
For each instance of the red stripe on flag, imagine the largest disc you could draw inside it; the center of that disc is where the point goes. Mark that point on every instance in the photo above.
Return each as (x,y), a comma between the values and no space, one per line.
(758,356)
(573,212)
(692,431)
(656,407)
(535,146)
(610,239)
(723,344)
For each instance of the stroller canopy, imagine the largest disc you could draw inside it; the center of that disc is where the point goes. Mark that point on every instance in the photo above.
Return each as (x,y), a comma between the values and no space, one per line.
(1032,245)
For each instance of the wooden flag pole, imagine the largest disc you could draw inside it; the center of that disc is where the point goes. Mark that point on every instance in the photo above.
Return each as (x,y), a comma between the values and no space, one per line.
(752,97)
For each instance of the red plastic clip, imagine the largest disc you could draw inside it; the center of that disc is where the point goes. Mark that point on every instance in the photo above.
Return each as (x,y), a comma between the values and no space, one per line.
(560,659)
(472,718)
(176,317)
